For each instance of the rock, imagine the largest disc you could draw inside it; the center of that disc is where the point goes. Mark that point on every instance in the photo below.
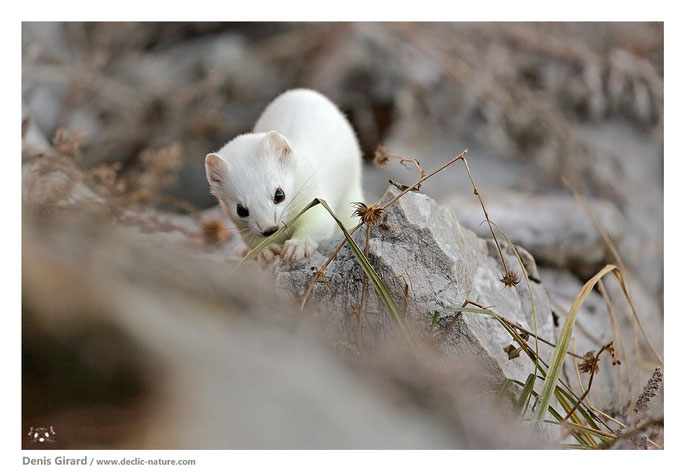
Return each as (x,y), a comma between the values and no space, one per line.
(443,264)
(555,229)
(182,353)
(33,141)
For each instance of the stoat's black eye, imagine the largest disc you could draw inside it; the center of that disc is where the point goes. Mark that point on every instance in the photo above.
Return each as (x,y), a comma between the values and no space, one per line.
(242,212)
(279,196)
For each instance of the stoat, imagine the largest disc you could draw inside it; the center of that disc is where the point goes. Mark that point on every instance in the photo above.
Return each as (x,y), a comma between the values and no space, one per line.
(301,147)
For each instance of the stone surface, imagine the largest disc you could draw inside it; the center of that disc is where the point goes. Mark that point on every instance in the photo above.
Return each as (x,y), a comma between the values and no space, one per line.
(555,229)
(443,264)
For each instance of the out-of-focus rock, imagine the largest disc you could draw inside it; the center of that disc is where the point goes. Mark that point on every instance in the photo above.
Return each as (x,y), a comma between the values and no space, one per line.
(555,229)
(628,169)
(443,265)
(181,353)
(33,141)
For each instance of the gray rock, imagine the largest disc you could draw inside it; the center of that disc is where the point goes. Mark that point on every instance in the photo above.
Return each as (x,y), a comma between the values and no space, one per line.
(555,229)
(443,264)
(32,139)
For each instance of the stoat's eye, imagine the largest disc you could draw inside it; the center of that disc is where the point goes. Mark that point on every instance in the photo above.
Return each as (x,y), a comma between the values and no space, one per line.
(242,211)
(279,196)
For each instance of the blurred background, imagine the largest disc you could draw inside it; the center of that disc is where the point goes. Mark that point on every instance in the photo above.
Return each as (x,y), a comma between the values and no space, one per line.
(131,109)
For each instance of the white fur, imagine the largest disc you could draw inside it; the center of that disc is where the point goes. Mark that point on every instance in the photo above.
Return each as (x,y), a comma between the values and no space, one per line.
(304,145)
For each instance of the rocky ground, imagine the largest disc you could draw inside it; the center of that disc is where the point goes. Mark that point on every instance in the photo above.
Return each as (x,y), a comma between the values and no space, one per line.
(130,304)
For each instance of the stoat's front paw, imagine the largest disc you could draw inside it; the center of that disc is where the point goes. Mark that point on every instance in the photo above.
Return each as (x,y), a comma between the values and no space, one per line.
(265,256)
(241,250)
(294,250)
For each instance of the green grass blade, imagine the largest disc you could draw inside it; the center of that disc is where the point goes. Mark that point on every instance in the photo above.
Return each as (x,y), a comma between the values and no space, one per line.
(526,393)
(433,321)
(525,349)
(582,440)
(504,388)
(378,284)
(563,344)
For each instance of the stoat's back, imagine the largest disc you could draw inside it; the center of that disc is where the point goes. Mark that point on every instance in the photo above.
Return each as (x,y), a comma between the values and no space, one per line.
(319,132)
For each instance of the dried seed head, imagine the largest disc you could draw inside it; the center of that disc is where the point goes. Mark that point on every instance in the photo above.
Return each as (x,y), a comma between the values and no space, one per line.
(380,156)
(522,334)
(590,363)
(68,143)
(512,352)
(159,167)
(610,348)
(368,214)
(510,278)
(106,178)
(649,391)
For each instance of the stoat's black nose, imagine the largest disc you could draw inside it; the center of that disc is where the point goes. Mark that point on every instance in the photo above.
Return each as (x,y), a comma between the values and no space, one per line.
(269,231)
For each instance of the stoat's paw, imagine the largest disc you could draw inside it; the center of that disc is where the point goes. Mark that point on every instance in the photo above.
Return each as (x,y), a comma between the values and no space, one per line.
(241,250)
(294,250)
(267,254)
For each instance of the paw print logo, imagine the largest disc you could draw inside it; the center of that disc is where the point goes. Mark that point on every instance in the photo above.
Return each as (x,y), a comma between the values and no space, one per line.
(42,435)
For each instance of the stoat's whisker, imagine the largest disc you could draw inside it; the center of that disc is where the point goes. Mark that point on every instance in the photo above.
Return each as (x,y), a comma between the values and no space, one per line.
(306,185)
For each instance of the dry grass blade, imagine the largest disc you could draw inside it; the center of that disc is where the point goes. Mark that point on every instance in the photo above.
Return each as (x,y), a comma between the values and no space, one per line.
(526,393)
(618,259)
(620,277)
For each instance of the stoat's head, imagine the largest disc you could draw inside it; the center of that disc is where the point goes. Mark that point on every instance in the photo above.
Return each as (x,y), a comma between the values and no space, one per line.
(253,179)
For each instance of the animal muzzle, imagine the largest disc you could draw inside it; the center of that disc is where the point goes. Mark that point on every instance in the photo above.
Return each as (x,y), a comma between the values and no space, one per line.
(270,231)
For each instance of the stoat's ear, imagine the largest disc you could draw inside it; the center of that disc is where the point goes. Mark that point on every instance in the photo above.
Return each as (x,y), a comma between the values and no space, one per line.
(216,169)
(275,144)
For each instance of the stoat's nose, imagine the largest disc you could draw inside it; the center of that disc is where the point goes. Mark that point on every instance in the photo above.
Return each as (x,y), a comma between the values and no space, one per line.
(270,231)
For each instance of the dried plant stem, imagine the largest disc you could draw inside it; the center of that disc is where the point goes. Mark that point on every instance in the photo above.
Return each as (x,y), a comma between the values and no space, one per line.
(618,335)
(425,177)
(620,263)
(404,160)
(578,373)
(452,322)
(589,429)
(320,272)
(621,425)
(511,324)
(660,420)
(483,207)
(588,389)
(532,353)
(364,290)
(596,224)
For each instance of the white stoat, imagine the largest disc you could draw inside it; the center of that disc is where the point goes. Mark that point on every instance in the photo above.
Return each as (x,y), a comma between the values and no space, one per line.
(301,147)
